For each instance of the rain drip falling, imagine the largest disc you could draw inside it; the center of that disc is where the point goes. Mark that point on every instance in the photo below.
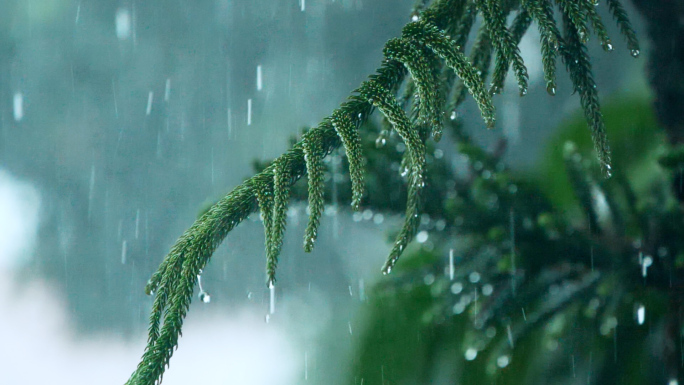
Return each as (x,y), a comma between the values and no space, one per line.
(203,295)
(271,303)
(302,5)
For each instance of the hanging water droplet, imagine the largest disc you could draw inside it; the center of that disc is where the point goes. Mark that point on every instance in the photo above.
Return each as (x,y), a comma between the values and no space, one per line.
(204,297)
(584,38)
(271,303)
(523,91)
(551,89)
(381,141)
(635,53)
(415,18)
(453,115)
(404,171)
(608,45)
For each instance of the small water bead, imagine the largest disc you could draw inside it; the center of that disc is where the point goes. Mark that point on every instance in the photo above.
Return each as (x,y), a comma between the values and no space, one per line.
(474,277)
(367,214)
(487,290)
(438,154)
(401,147)
(381,141)
(523,91)
(429,279)
(457,288)
(635,53)
(453,115)
(422,236)
(471,354)
(503,361)
(459,307)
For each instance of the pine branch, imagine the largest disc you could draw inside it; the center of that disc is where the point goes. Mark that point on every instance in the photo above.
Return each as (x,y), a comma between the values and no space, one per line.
(542,12)
(427,53)
(507,48)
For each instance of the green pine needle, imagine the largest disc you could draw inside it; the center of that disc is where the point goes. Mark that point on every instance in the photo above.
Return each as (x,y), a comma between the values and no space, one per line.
(507,48)
(446,48)
(313,155)
(542,13)
(352,144)
(415,61)
(620,16)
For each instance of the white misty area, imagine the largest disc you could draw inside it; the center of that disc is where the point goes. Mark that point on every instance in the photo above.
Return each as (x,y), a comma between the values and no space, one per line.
(38,343)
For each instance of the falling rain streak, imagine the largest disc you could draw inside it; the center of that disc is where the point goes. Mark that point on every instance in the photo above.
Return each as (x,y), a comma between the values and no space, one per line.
(249,112)
(451,264)
(18,106)
(259,81)
(167,90)
(150,97)
(123,24)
